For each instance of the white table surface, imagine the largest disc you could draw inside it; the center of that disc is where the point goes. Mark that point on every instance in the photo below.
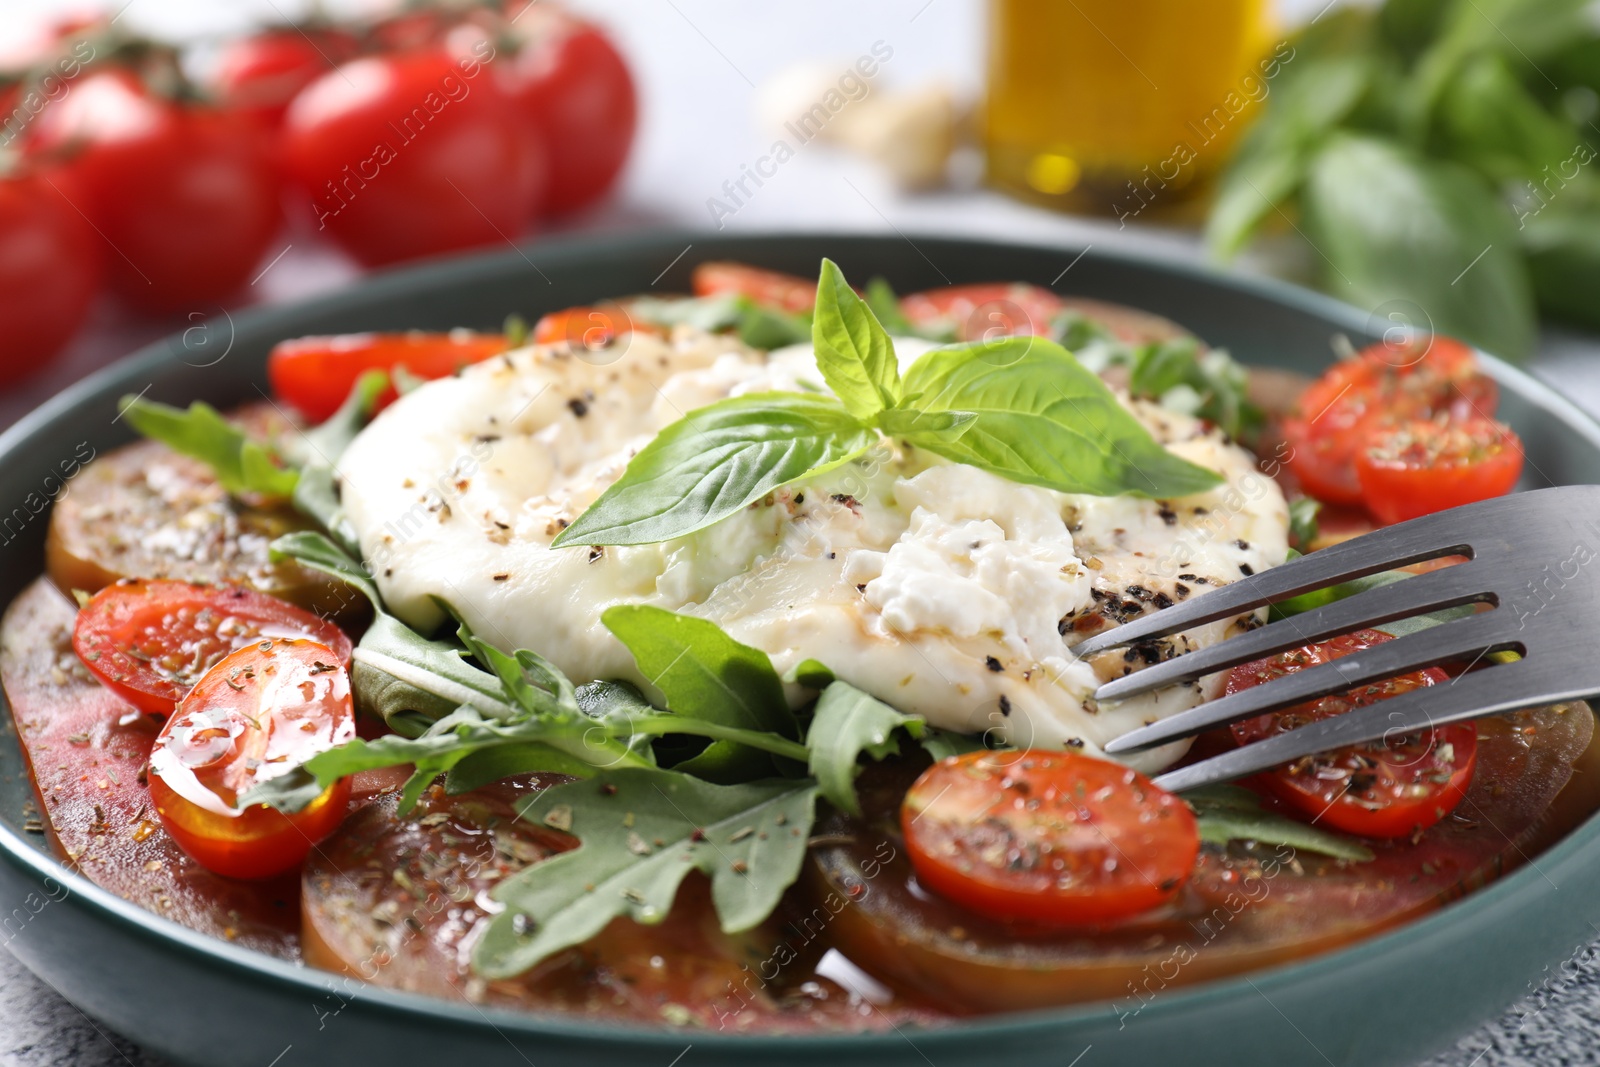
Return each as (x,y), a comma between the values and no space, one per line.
(698,62)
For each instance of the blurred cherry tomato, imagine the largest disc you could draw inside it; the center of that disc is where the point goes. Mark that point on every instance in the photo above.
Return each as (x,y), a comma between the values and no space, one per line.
(572,82)
(1417,468)
(184,196)
(983,311)
(316,374)
(258,75)
(259,713)
(412,155)
(770,288)
(50,267)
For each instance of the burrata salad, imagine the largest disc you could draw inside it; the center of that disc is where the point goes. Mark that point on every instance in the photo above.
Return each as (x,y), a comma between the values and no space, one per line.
(709,661)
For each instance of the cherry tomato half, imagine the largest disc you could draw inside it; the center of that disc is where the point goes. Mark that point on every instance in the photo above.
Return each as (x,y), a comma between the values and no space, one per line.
(150,641)
(412,155)
(1054,837)
(1377,789)
(259,713)
(984,311)
(316,374)
(1383,384)
(588,327)
(257,76)
(1417,468)
(185,196)
(769,288)
(50,267)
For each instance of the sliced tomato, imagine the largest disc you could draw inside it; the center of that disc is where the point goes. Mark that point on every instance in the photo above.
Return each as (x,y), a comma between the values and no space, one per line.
(316,374)
(588,327)
(1388,788)
(983,312)
(151,641)
(769,288)
(259,713)
(1383,384)
(1417,468)
(1053,837)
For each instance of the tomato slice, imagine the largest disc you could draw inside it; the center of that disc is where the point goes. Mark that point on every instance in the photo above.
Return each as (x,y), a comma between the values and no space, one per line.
(769,288)
(1421,467)
(588,327)
(316,374)
(1053,837)
(985,311)
(1383,384)
(151,641)
(1390,788)
(259,713)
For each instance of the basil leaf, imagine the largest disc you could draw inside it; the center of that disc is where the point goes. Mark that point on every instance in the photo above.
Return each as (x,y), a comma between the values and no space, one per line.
(1232,813)
(1041,418)
(1490,121)
(642,831)
(705,674)
(854,352)
(769,328)
(240,464)
(716,461)
(885,306)
(847,723)
(1393,226)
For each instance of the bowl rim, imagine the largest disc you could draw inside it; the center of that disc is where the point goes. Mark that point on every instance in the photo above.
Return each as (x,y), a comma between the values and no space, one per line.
(171,935)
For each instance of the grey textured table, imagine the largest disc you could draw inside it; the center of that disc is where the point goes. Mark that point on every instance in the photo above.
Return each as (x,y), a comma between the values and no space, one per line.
(698,62)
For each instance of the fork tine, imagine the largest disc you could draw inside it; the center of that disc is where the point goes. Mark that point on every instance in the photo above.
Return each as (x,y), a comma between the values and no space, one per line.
(1410,596)
(1430,537)
(1503,687)
(1464,637)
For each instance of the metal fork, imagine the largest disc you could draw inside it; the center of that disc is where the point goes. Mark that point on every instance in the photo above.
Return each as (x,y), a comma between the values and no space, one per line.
(1535,557)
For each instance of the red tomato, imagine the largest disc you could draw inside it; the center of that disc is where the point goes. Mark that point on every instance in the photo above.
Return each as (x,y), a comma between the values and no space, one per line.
(1053,837)
(259,713)
(258,75)
(1385,383)
(184,196)
(588,327)
(985,311)
(50,267)
(770,288)
(412,155)
(572,82)
(1377,789)
(316,374)
(1421,467)
(150,641)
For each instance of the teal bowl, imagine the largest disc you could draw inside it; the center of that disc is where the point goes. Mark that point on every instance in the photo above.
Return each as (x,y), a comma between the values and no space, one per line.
(1390,999)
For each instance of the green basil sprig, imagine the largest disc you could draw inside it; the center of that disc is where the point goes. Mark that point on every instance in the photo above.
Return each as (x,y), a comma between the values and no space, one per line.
(1019,407)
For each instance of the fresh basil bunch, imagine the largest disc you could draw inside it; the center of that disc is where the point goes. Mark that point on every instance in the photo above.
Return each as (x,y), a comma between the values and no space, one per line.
(1437,154)
(1020,407)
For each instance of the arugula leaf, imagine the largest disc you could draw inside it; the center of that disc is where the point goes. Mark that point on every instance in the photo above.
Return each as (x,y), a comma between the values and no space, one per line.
(854,352)
(813,674)
(240,464)
(1395,226)
(318,450)
(705,674)
(1303,526)
(1232,813)
(1041,418)
(847,723)
(1180,376)
(756,325)
(642,831)
(716,461)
